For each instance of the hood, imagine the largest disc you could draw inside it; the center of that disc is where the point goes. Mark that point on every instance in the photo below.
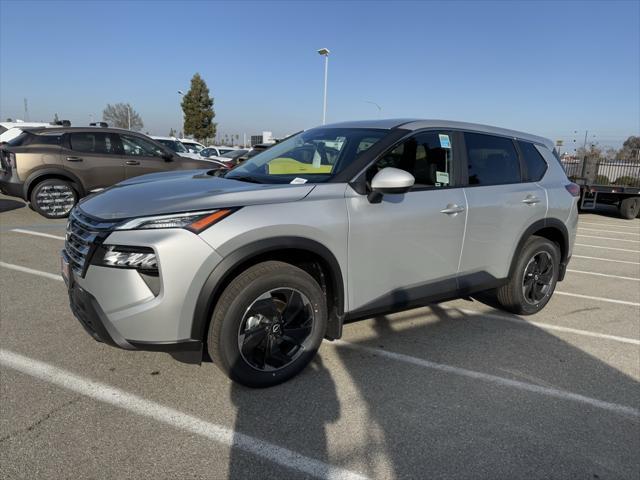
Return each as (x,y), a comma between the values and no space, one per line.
(184,191)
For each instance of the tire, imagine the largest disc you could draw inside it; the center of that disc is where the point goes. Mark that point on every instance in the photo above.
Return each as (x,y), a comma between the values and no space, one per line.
(268,305)
(53,198)
(529,272)
(630,208)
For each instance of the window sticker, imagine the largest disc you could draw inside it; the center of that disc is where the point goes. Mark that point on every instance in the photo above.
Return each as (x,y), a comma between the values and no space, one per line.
(444,141)
(298,181)
(442,177)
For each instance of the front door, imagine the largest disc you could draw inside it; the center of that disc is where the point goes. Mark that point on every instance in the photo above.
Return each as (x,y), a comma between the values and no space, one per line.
(142,156)
(406,249)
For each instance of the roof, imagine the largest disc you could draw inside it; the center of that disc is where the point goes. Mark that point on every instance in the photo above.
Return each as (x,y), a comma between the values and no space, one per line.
(60,129)
(417,124)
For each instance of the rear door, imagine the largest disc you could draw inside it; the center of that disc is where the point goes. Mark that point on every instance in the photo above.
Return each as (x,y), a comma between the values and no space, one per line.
(142,156)
(503,203)
(405,250)
(95,157)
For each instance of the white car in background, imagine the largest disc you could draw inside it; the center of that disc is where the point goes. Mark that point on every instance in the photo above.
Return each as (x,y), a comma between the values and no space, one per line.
(10,130)
(192,145)
(216,151)
(176,145)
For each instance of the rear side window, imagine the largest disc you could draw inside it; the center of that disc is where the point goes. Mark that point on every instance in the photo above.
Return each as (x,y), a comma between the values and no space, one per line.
(536,166)
(94,142)
(491,160)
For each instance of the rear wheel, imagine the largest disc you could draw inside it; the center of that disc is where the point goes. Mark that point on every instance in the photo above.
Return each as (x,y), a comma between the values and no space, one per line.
(268,324)
(534,278)
(53,198)
(630,207)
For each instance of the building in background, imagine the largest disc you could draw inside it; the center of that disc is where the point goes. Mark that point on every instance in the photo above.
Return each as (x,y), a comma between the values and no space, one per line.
(266,137)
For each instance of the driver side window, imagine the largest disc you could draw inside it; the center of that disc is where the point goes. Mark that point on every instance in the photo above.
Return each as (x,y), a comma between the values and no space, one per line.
(139,147)
(427,156)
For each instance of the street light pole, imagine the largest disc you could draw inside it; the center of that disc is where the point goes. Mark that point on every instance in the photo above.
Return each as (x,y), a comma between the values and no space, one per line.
(376,105)
(325,53)
(181,115)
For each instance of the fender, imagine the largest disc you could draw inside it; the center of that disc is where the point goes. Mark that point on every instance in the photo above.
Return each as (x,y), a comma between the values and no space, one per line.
(57,171)
(221,274)
(555,224)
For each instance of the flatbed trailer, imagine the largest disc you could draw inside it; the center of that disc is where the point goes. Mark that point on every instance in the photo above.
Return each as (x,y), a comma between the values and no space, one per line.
(607,183)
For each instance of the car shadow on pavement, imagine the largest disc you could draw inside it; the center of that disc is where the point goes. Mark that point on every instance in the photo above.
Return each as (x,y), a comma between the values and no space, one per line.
(293,415)
(408,420)
(8,205)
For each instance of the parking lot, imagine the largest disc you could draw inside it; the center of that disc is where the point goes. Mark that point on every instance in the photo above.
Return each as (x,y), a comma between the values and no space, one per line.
(455,390)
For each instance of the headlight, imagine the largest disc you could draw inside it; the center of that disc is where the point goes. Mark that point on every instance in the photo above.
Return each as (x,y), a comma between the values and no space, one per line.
(193,221)
(121,256)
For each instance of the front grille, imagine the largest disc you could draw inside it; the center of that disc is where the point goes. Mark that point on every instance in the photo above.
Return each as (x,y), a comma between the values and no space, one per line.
(84,234)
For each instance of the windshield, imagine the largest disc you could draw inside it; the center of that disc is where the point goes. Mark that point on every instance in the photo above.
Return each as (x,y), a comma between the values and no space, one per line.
(173,145)
(233,154)
(313,156)
(193,147)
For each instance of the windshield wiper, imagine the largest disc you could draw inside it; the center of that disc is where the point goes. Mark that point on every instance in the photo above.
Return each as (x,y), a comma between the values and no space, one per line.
(244,178)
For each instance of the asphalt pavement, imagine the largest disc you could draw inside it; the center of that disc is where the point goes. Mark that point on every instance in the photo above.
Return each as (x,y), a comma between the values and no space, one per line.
(453,391)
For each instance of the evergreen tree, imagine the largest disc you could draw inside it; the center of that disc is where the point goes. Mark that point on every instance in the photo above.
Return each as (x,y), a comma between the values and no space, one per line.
(55,118)
(197,106)
(172,133)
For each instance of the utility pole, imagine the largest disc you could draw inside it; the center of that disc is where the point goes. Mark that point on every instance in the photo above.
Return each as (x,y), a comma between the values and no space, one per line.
(129,115)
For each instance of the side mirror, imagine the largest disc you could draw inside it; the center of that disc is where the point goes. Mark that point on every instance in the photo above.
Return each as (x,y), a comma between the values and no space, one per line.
(389,181)
(168,157)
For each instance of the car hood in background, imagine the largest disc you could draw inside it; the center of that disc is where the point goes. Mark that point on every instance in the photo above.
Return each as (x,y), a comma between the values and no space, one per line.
(184,191)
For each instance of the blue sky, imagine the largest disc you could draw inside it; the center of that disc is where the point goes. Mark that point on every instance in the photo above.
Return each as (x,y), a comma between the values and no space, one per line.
(544,67)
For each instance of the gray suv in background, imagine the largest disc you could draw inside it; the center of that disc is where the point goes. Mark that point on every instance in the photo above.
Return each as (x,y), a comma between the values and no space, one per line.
(257,265)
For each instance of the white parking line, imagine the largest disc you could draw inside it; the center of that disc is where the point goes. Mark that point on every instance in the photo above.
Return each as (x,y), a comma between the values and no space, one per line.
(174,418)
(614,225)
(37,234)
(599,299)
(609,231)
(608,238)
(604,275)
(505,382)
(607,248)
(20,268)
(605,259)
(544,326)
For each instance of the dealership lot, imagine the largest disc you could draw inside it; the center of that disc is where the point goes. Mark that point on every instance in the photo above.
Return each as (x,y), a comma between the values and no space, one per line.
(457,390)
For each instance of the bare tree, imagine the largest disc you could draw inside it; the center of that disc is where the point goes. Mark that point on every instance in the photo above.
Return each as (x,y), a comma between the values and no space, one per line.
(122,115)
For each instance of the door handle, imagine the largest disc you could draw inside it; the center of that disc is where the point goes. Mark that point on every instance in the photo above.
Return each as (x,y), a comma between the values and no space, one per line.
(452,209)
(74,159)
(530,200)
(132,162)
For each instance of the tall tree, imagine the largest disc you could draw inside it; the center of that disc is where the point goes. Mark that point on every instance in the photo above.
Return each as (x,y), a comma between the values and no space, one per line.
(172,133)
(197,106)
(122,115)
(55,118)
(630,149)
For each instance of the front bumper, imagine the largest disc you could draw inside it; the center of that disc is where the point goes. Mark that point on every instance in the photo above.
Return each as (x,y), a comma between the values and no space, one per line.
(117,307)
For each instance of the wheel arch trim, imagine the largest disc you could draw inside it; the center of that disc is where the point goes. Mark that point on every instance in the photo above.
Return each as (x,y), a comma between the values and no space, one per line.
(221,274)
(45,173)
(547,223)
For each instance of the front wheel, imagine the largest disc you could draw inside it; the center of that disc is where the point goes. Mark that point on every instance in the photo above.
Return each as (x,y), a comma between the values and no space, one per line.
(268,324)
(53,198)
(533,279)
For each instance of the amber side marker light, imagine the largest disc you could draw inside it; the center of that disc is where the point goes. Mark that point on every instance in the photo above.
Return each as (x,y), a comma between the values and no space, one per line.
(205,222)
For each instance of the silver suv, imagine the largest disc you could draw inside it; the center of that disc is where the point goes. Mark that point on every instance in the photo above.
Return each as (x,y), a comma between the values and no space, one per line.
(257,265)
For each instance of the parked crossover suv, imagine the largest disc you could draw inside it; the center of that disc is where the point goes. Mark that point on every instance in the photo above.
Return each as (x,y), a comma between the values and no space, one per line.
(54,167)
(347,221)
